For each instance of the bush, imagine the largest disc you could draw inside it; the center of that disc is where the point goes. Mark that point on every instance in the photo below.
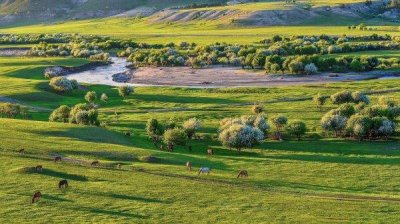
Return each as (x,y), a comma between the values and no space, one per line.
(335,123)
(319,100)
(75,110)
(10,110)
(257,109)
(153,128)
(91,96)
(191,126)
(240,136)
(61,84)
(342,97)
(310,69)
(359,97)
(125,91)
(175,136)
(104,98)
(60,114)
(297,128)
(74,83)
(279,121)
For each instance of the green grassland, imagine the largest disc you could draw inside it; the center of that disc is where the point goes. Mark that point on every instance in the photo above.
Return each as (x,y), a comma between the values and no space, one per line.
(314,180)
(199,32)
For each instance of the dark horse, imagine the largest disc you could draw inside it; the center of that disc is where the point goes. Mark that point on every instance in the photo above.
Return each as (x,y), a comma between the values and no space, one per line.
(36,197)
(243,173)
(95,163)
(39,168)
(63,184)
(57,159)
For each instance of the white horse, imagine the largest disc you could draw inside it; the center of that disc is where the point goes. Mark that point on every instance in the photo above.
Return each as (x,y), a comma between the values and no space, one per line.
(206,170)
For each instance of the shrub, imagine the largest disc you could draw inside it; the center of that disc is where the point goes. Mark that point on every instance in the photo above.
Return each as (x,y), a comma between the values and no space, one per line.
(191,126)
(91,96)
(10,110)
(359,97)
(319,100)
(240,136)
(125,91)
(359,126)
(60,114)
(82,117)
(61,84)
(257,109)
(175,136)
(335,123)
(310,69)
(75,110)
(388,101)
(297,128)
(74,84)
(279,121)
(153,128)
(104,98)
(342,97)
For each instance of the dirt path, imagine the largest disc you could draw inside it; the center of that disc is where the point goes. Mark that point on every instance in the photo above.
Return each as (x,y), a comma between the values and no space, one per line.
(236,77)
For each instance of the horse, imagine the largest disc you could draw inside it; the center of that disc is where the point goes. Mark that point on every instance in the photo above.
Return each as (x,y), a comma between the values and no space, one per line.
(206,170)
(57,159)
(243,173)
(210,151)
(39,168)
(95,163)
(21,151)
(188,166)
(36,197)
(128,134)
(63,184)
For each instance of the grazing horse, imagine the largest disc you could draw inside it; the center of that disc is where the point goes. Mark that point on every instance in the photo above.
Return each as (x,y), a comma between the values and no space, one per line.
(243,173)
(21,151)
(63,184)
(188,166)
(210,151)
(36,197)
(57,159)
(95,163)
(39,168)
(206,170)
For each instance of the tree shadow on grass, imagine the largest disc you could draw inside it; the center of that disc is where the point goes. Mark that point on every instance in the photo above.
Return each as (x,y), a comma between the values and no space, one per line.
(183,99)
(122,196)
(55,198)
(109,212)
(103,155)
(63,175)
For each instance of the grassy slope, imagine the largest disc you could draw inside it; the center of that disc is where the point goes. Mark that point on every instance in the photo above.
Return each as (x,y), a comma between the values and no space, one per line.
(313,180)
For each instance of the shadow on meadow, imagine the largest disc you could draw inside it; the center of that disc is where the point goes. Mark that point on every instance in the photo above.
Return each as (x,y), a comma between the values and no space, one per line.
(63,175)
(121,196)
(183,99)
(102,211)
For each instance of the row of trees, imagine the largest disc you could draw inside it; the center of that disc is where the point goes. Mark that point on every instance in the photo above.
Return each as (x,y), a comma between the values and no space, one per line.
(355,117)
(12,110)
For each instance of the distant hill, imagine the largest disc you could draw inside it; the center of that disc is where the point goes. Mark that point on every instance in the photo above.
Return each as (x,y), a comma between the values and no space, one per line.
(31,11)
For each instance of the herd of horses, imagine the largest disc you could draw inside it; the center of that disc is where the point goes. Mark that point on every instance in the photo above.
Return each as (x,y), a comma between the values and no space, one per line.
(64,183)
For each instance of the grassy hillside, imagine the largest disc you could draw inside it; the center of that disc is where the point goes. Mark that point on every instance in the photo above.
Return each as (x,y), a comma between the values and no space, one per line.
(322,180)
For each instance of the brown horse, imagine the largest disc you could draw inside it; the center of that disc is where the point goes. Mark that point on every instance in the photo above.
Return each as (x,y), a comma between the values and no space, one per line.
(36,197)
(21,151)
(39,168)
(188,166)
(63,184)
(243,173)
(57,159)
(95,163)
(210,151)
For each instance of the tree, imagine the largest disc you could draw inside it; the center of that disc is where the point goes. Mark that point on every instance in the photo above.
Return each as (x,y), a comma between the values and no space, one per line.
(335,123)
(125,91)
(75,110)
(174,137)
(10,110)
(297,128)
(359,126)
(104,98)
(61,84)
(60,114)
(342,97)
(91,96)
(359,97)
(279,121)
(240,136)
(191,126)
(310,69)
(320,100)
(257,109)
(153,128)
